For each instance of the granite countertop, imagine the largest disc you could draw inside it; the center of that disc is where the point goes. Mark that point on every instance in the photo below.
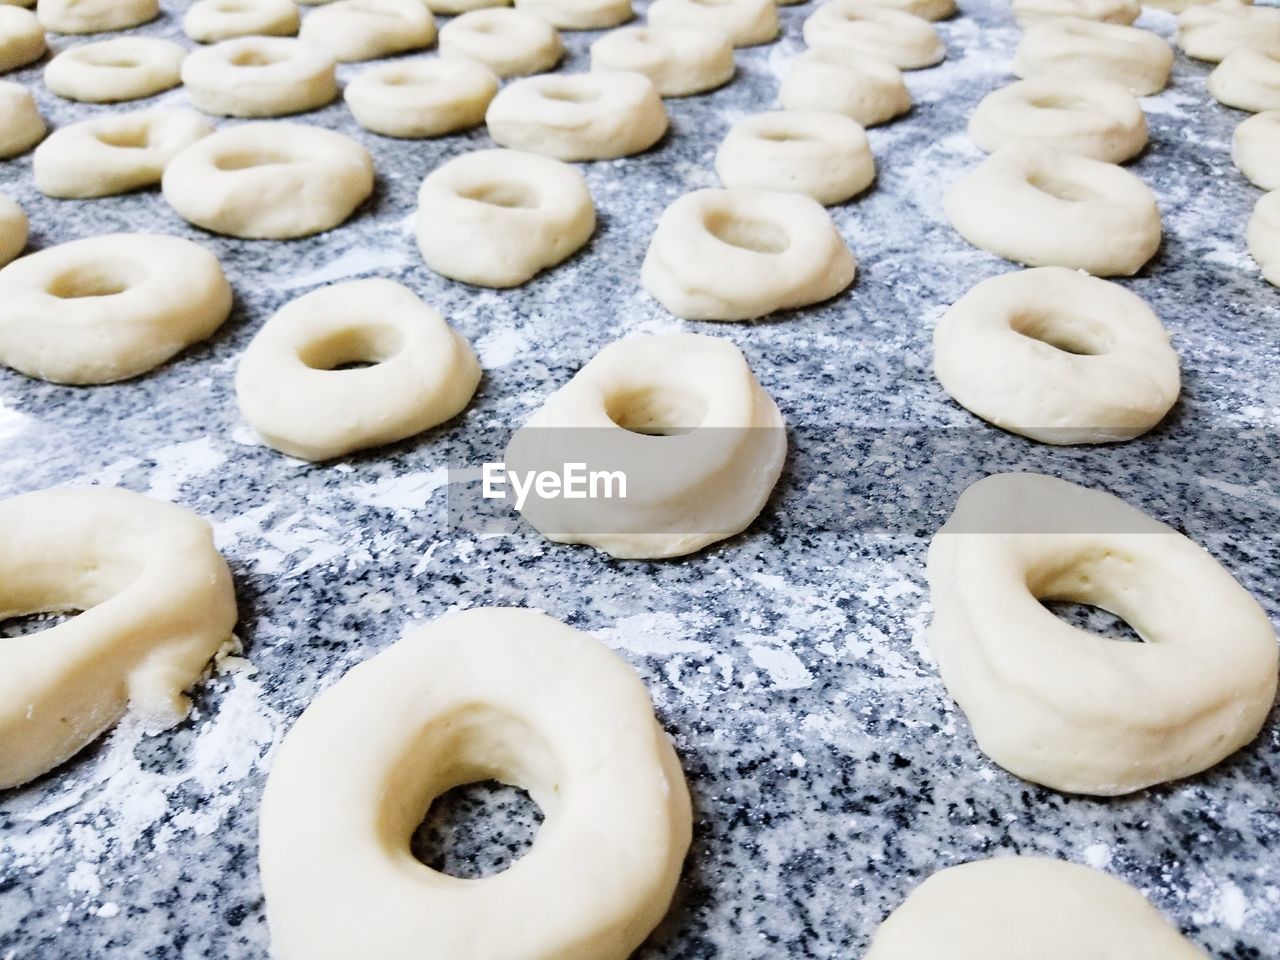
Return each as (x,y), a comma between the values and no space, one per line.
(829,770)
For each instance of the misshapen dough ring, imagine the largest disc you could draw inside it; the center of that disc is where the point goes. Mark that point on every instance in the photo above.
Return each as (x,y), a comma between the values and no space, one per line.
(21,38)
(95,16)
(109,71)
(837,80)
(21,126)
(491,693)
(746,23)
(108,308)
(700,442)
(907,42)
(1136,59)
(290,388)
(1212,31)
(259,77)
(208,21)
(422,98)
(1255,149)
(580,14)
(1057,356)
(511,43)
(1247,79)
(13,229)
(495,218)
(1030,12)
(1263,235)
(354,30)
(679,61)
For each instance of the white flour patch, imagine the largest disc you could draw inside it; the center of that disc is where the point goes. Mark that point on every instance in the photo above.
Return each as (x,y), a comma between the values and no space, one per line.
(653,635)
(180,463)
(500,347)
(408,492)
(775,657)
(357,262)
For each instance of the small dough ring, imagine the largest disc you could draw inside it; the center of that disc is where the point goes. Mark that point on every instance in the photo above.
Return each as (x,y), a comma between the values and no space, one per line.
(110,71)
(746,23)
(1065,708)
(1255,149)
(290,388)
(21,38)
(907,42)
(684,419)
(829,79)
(511,43)
(13,230)
(742,254)
(259,77)
(422,98)
(269,181)
(108,308)
(21,126)
(354,30)
(1247,79)
(1036,206)
(1263,236)
(579,116)
(1138,60)
(489,693)
(208,21)
(496,218)
(822,155)
(580,14)
(95,16)
(1057,356)
(679,61)
(1028,13)
(1212,31)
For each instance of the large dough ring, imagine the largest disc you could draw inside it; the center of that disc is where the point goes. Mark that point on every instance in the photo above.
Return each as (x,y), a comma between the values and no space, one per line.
(495,218)
(271,180)
(746,23)
(511,43)
(906,41)
(95,16)
(21,126)
(1263,236)
(1255,149)
(1212,31)
(837,80)
(683,418)
(13,230)
(580,14)
(1028,13)
(21,38)
(486,694)
(422,98)
(353,30)
(259,77)
(1138,60)
(680,61)
(1247,79)
(1057,356)
(110,71)
(741,254)
(291,388)
(208,21)
(1068,709)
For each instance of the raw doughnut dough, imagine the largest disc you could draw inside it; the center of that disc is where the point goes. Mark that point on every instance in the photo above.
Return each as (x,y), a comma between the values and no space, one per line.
(270,181)
(208,21)
(1136,59)
(490,693)
(1094,118)
(1212,31)
(259,77)
(109,71)
(13,230)
(291,389)
(740,254)
(745,22)
(1030,12)
(1247,79)
(21,38)
(158,605)
(907,42)
(495,218)
(679,61)
(114,154)
(354,30)
(1057,356)
(95,16)
(1263,236)
(684,419)
(1068,709)
(1255,149)
(1038,206)
(21,126)
(579,116)
(108,308)
(823,155)
(838,80)
(422,98)
(580,14)
(511,43)
(1014,907)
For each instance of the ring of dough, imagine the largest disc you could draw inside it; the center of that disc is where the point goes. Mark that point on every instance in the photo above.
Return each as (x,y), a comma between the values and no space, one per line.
(1074,711)
(579,116)
(208,21)
(924,9)
(1037,206)
(13,230)
(747,23)
(822,155)
(95,16)
(1094,118)
(269,181)
(422,98)
(496,218)
(1212,31)
(1012,907)
(830,79)
(580,14)
(110,71)
(1138,60)
(511,43)
(353,30)
(862,26)
(1028,13)
(21,38)
(114,154)
(1263,236)
(259,77)
(683,418)
(1057,356)
(1255,149)
(679,61)
(1247,79)
(21,126)
(741,254)
(491,693)
(291,389)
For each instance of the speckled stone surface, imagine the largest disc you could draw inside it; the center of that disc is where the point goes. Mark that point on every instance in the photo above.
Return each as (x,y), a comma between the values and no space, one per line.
(829,770)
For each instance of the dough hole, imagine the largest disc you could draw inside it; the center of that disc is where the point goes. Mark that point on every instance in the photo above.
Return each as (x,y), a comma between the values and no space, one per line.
(477,830)
(656,412)
(248,159)
(1058,331)
(1060,101)
(23,625)
(757,236)
(1092,619)
(1062,188)
(257,58)
(89,282)
(571,94)
(138,138)
(510,195)
(352,349)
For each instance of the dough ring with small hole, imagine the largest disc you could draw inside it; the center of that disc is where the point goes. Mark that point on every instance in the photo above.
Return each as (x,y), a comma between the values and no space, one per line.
(1138,60)
(1247,79)
(353,30)
(906,41)
(496,218)
(486,694)
(741,254)
(1263,236)
(292,390)
(1057,356)
(269,180)
(13,230)
(208,21)
(580,14)
(110,71)
(21,38)
(830,79)
(21,126)
(95,16)
(422,98)
(682,418)
(511,43)
(1028,13)
(1074,711)
(679,61)
(1255,149)
(259,77)
(1212,31)
(747,23)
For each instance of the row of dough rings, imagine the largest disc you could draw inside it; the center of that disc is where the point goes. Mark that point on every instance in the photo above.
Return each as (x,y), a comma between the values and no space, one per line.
(1212,31)
(906,41)
(1247,79)
(208,21)
(259,77)
(1255,149)
(832,79)
(109,71)
(580,14)
(746,23)
(680,61)
(353,30)
(1136,59)
(21,38)
(13,230)
(1263,236)
(95,16)
(511,43)
(1030,13)
(422,98)
(21,126)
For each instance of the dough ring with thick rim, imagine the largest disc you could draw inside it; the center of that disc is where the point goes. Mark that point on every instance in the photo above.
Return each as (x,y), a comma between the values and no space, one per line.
(354,30)
(209,21)
(683,419)
(259,77)
(906,41)
(95,16)
(831,79)
(13,230)
(681,61)
(1028,13)
(158,605)
(1138,60)
(1069,709)
(511,43)
(21,126)
(1247,79)
(486,694)
(1255,149)
(741,254)
(111,71)
(1263,236)
(1057,356)
(21,38)
(747,23)
(422,98)
(1212,31)
(496,218)
(580,14)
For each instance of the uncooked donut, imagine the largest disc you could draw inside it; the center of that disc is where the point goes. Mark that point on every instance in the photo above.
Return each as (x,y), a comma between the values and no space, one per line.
(1213,30)
(907,42)
(259,77)
(109,71)
(511,43)
(1263,236)
(95,16)
(490,693)
(838,80)
(21,126)
(291,389)
(208,21)
(21,38)
(741,254)
(13,230)
(1030,12)
(580,14)
(422,98)
(746,23)
(1136,59)
(1255,149)
(353,30)
(679,61)
(1247,79)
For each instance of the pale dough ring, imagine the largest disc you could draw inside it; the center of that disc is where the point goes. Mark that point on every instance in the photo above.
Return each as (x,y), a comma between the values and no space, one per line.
(21,126)
(924,9)
(741,254)
(1028,13)
(580,14)
(208,21)
(1138,60)
(1263,236)
(114,154)
(95,16)
(680,61)
(259,77)
(684,419)
(290,388)
(108,308)
(422,98)
(511,43)
(1040,207)
(746,23)
(1255,149)
(579,116)
(21,38)
(907,42)
(1247,79)
(353,30)
(1212,31)
(838,80)
(109,71)
(489,693)
(13,230)
(1057,356)
(496,218)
